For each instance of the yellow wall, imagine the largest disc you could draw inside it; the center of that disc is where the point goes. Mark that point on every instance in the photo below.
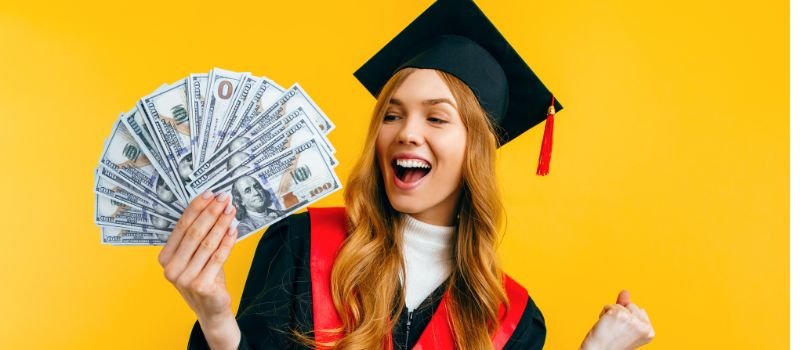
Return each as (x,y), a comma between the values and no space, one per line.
(669,174)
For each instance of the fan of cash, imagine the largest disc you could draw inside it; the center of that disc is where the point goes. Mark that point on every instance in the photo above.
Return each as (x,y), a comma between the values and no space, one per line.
(225,132)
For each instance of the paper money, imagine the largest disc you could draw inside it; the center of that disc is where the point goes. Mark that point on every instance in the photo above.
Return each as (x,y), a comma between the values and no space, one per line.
(124,236)
(272,191)
(266,92)
(166,112)
(138,129)
(260,134)
(123,157)
(221,131)
(109,212)
(198,86)
(105,186)
(223,86)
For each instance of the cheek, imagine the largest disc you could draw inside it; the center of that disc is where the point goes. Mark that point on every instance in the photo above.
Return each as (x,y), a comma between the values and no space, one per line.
(451,154)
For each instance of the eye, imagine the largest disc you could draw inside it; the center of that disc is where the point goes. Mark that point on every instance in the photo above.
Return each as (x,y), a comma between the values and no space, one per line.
(390,117)
(436,120)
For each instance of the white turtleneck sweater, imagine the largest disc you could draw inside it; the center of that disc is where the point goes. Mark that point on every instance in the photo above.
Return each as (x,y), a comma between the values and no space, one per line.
(427,254)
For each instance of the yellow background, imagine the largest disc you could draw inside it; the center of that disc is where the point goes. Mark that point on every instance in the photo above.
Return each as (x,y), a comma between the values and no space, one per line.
(669,173)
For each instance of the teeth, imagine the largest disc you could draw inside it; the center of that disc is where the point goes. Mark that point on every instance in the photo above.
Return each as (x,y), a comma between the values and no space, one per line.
(412,163)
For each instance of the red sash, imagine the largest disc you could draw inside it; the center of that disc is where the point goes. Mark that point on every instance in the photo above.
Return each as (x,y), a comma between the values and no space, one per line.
(328,231)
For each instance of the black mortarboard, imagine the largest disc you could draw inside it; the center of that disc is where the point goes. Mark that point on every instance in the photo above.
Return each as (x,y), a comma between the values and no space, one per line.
(456,37)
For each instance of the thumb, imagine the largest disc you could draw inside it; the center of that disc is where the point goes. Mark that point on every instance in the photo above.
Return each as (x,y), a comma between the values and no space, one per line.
(624,298)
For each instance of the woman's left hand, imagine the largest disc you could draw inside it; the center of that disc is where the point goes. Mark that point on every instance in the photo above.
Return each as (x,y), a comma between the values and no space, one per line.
(622,326)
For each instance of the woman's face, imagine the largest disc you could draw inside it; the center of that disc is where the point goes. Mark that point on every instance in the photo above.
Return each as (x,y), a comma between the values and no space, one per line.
(421,145)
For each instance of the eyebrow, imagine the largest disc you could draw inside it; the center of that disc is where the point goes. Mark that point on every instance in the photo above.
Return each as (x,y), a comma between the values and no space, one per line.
(430,102)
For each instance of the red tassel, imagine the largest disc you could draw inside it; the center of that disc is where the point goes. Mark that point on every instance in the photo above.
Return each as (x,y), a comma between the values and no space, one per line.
(547,141)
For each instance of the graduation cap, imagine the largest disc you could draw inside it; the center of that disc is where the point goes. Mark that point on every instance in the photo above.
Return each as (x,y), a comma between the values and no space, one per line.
(455,36)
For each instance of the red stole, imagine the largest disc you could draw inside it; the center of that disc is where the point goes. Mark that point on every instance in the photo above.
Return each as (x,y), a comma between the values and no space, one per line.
(328,231)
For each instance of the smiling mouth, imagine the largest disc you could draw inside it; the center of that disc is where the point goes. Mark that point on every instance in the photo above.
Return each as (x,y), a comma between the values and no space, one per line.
(410,170)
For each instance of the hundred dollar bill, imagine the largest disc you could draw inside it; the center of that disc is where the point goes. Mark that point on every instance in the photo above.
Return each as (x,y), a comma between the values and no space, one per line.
(123,236)
(104,186)
(198,85)
(261,151)
(289,182)
(123,157)
(137,127)
(263,95)
(170,208)
(223,86)
(166,113)
(237,106)
(259,135)
(109,212)
(295,97)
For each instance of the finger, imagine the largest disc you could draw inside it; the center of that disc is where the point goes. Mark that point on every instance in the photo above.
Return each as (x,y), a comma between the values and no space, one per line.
(624,298)
(189,215)
(209,244)
(195,234)
(209,273)
(605,309)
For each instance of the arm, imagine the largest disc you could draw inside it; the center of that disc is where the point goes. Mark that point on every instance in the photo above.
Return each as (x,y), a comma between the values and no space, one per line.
(192,260)
(277,280)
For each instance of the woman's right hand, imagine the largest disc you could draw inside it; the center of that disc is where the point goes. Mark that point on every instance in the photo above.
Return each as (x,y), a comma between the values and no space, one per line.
(193,258)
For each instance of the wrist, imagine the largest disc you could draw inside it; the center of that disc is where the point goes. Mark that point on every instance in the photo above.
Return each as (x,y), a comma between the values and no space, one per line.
(590,343)
(221,331)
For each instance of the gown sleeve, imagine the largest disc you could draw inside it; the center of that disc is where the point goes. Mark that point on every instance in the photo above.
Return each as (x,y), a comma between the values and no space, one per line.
(530,331)
(277,294)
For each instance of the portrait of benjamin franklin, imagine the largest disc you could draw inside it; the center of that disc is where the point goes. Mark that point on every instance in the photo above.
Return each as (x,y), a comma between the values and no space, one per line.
(159,223)
(163,191)
(185,168)
(255,206)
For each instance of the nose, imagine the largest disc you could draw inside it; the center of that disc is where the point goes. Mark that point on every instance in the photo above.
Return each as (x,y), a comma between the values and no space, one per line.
(411,133)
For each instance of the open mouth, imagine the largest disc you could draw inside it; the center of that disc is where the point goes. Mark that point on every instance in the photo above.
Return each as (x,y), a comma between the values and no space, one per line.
(410,170)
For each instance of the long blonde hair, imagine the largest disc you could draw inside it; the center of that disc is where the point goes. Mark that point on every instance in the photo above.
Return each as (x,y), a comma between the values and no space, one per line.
(367,292)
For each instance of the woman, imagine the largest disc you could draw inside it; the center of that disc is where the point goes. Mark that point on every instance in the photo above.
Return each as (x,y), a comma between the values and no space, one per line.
(415,251)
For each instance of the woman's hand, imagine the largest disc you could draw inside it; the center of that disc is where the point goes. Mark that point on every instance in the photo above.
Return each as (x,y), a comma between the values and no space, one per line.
(622,326)
(192,260)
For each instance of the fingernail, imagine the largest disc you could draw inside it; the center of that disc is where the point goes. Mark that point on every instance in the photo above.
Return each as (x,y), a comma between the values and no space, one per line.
(232,231)
(229,208)
(222,197)
(207,194)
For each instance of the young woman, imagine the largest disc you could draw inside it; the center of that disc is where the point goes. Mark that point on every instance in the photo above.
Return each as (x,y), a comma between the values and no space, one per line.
(411,262)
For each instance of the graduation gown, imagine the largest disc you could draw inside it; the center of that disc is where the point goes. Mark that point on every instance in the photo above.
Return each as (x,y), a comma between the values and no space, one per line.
(277,298)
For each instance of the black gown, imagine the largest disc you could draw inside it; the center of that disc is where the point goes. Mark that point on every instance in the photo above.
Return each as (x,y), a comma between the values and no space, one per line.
(277,299)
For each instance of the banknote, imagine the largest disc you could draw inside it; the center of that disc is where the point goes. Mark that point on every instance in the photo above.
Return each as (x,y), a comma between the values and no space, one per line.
(166,113)
(260,134)
(223,86)
(138,129)
(198,86)
(260,151)
(289,182)
(109,212)
(105,186)
(236,106)
(220,131)
(171,209)
(123,157)
(124,236)
(293,98)
(264,94)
